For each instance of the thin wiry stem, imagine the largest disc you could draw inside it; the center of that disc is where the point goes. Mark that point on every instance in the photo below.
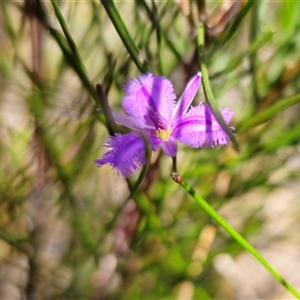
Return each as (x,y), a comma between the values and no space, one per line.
(207,88)
(124,34)
(242,241)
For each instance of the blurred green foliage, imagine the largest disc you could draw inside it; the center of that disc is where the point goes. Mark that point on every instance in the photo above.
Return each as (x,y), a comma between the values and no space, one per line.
(68,229)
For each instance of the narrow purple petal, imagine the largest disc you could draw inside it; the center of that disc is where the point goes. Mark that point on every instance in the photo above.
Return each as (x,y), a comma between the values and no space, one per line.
(199,127)
(127,121)
(154,91)
(155,142)
(170,147)
(125,153)
(187,96)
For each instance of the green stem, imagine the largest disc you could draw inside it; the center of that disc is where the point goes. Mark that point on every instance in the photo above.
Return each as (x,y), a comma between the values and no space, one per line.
(207,88)
(68,36)
(156,26)
(269,113)
(103,101)
(178,179)
(235,25)
(123,32)
(253,62)
(237,60)
(72,56)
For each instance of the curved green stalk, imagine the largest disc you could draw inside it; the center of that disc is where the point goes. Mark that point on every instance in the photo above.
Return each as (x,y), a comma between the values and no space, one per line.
(72,56)
(68,36)
(207,88)
(253,57)
(103,101)
(269,113)
(243,242)
(123,32)
(237,60)
(158,38)
(235,25)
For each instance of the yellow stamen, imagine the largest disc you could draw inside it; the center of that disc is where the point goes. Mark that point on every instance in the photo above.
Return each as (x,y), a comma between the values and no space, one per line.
(164,134)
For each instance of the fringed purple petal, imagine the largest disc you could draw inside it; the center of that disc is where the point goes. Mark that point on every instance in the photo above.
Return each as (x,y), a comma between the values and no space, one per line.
(125,153)
(200,128)
(154,91)
(187,96)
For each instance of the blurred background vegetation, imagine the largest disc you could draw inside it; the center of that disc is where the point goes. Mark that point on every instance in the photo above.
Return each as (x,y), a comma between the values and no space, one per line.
(67,229)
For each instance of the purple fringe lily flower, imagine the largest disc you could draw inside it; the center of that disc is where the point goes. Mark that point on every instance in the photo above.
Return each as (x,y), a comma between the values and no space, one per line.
(151,111)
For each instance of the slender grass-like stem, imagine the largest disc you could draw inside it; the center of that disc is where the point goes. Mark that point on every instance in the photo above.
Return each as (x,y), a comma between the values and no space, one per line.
(207,88)
(70,51)
(68,35)
(253,60)
(269,113)
(110,122)
(123,33)
(235,25)
(243,242)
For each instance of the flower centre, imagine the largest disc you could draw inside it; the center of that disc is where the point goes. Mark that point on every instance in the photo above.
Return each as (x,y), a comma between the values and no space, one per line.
(164,134)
